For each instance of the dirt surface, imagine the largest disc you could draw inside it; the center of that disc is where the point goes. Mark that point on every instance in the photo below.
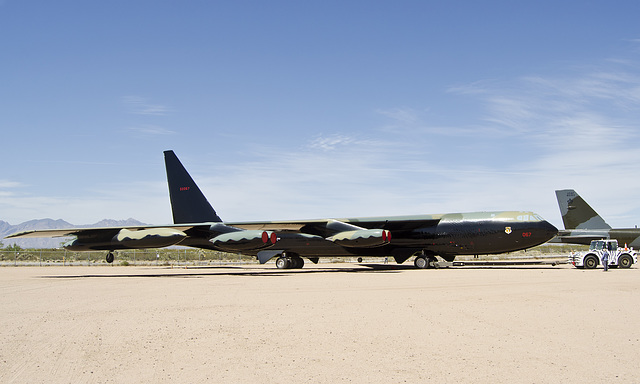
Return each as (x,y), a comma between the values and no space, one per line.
(325,323)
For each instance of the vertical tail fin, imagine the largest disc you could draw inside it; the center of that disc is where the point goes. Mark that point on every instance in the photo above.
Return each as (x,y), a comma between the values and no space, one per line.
(188,203)
(576,213)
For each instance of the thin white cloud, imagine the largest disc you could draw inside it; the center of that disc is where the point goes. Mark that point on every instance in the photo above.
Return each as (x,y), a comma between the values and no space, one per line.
(8,189)
(331,142)
(8,184)
(407,121)
(144,201)
(140,106)
(148,129)
(401,115)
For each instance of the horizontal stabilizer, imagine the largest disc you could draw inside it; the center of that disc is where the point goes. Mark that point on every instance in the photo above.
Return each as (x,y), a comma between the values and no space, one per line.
(580,236)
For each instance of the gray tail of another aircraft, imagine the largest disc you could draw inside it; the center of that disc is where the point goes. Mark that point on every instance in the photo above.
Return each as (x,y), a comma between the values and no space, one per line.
(576,213)
(188,203)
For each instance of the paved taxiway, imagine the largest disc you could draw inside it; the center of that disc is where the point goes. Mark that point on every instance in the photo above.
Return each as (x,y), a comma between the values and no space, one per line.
(325,323)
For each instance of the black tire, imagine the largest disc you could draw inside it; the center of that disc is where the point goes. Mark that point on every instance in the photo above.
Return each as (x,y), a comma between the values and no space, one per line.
(421,262)
(110,257)
(283,263)
(625,261)
(297,262)
(590,262)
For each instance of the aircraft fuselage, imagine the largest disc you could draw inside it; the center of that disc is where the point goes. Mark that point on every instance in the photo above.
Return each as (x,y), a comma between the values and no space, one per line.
(629,236)
(445,235)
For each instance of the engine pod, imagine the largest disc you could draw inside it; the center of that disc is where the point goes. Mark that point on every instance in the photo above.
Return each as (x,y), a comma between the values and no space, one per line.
(148,238)
(363,238)
(244,240)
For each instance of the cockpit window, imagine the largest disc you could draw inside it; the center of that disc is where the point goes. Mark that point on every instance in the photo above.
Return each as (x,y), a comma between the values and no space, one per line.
(529,217)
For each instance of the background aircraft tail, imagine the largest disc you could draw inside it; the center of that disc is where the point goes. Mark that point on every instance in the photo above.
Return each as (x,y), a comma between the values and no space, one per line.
(188,203)
(576,213)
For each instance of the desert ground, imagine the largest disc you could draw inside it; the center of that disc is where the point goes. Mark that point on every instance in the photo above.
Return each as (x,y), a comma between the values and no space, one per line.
(325,323)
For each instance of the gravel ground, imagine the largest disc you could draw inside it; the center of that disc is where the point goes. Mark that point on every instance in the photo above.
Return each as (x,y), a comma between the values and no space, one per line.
(324,323)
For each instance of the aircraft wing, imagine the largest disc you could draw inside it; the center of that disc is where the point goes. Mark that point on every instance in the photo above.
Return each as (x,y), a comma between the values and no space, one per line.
(66,232)
(43,233)
(280,226)
(127,237)
(328,227)
(580,236)
(585,233)
(321,227)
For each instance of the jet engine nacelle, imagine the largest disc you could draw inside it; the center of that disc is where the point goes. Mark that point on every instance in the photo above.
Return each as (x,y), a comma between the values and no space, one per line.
(148,238)
(130,239)
(244,240)
(363,238)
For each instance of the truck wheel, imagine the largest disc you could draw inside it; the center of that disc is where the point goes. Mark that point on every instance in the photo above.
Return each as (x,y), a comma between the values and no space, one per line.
(590,262)
(625,261)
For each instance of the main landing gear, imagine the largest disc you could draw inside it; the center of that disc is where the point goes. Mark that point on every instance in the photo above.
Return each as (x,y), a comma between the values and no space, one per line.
(289,262)
(110,257)
(424,261)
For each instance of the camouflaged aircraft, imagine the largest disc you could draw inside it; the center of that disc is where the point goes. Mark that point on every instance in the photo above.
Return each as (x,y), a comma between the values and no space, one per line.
(196,224)
(582,224)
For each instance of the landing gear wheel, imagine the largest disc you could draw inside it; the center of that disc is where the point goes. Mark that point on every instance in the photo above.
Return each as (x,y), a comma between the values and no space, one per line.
(590,262)
(283,262)
(421,262)
(110,257)
(297,262)
(625,261)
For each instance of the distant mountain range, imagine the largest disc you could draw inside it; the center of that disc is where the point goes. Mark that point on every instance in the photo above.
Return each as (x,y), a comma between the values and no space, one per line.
(46,242)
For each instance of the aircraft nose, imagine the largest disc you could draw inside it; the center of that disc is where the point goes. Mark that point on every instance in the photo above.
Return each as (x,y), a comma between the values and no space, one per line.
(546,230)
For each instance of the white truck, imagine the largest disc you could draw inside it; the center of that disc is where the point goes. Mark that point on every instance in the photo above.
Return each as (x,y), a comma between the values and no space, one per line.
(618,257)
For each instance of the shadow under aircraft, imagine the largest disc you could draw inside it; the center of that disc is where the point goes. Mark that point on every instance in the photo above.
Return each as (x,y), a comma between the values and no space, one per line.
(423,237)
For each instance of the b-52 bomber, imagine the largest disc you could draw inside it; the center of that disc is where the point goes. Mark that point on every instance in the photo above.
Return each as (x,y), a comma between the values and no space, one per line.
(196,224)
(583,224)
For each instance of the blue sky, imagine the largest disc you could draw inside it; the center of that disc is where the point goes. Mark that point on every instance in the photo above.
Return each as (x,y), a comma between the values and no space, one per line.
(290,109)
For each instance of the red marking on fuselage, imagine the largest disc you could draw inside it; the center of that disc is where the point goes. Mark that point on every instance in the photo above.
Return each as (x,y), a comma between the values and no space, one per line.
(184,188)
